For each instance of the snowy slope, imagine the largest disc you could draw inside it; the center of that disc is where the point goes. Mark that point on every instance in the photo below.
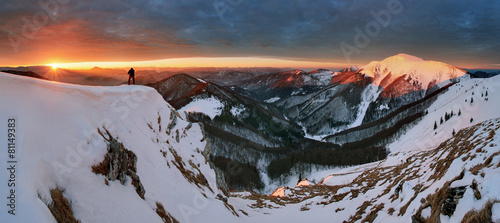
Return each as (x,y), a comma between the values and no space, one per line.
(483,93)
(403,187)
(57,142)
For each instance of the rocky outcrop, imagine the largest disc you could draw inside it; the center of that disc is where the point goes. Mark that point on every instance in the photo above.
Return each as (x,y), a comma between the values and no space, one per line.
(451,201)
(119,163)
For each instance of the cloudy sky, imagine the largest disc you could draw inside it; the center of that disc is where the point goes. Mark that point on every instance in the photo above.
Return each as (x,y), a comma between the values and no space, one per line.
(324,33)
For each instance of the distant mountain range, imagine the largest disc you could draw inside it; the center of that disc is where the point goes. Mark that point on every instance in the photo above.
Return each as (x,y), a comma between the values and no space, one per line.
(275,122)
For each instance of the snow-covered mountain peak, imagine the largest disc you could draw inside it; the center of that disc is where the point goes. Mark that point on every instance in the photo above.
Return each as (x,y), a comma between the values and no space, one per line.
(421,73)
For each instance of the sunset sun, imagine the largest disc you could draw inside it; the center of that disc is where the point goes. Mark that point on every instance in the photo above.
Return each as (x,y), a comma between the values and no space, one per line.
(54,66)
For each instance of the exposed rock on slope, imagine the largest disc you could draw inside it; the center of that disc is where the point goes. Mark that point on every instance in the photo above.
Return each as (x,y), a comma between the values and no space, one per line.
(119,163)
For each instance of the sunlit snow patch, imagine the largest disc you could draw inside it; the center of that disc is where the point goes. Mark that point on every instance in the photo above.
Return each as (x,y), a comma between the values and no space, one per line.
(208,106)
(272,100)
(281,192)
(304,183)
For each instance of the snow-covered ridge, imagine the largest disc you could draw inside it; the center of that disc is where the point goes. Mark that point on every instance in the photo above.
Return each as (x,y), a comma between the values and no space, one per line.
(424,73)
(59,138)
(467,103)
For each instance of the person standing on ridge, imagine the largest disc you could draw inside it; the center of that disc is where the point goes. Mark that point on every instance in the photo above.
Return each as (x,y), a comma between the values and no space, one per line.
(131,74)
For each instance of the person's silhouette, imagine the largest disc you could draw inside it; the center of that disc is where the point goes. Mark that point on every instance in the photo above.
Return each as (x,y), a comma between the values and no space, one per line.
(131,74)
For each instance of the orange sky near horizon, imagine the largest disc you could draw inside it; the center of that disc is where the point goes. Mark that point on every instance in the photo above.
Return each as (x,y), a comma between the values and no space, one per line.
(230,62)
(204,62)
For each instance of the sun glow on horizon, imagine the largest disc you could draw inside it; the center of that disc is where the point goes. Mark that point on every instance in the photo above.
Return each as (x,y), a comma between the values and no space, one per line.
(225,62)
(203,62)
(55,72)
(54,66)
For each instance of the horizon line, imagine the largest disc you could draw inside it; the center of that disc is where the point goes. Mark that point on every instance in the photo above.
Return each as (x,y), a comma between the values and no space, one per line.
(195,62)
(217,62)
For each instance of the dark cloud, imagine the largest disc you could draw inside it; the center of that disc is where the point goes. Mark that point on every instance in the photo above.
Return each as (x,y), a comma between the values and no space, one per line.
(455,31)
